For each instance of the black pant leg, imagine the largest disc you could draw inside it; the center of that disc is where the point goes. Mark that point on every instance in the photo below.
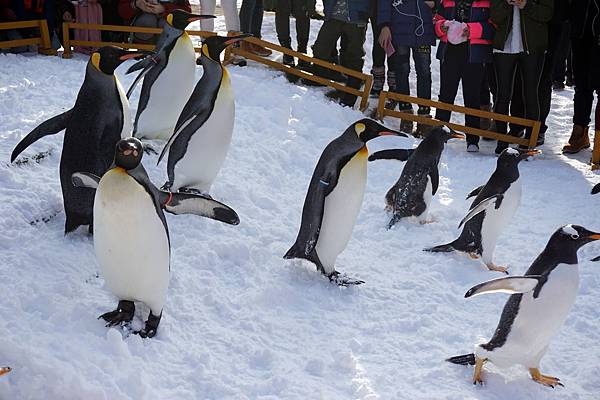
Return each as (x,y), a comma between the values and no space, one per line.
(472,75)
(300,10)
(450,72)
(505,67)
(584,96)
(531,66)
(325,44)
(283,9)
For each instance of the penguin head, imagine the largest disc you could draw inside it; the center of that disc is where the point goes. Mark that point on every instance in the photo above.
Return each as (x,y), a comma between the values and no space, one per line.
(213,46)
(443,134)
(367,129)
(510,158)
(572,237)
(180,19)
(106,59)
(128,153)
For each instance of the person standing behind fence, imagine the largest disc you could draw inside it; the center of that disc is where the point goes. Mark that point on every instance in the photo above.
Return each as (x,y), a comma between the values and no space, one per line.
(408,26)
(148,13)
(300,10)
(465,34)
(232,22)
(251,17)
(585,46)
(379,57)
(521,40)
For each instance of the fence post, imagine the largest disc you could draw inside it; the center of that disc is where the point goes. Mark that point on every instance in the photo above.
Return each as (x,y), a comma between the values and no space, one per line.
(535,132)
(596,150)
(66,41)
(46,45)
(381,104)
(364,102)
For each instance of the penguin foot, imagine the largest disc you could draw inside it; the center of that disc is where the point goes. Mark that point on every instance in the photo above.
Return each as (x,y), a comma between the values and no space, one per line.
(149,330)
(343,279)
(478,368)
(430,221)
(493,267)
(150,150)
(545,380)
(474,256)
(123,313)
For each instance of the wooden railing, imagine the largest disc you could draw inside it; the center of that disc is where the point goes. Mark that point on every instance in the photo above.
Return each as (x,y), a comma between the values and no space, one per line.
(68,42)
(367,80)
(596,149)
(43,41)
(531,142)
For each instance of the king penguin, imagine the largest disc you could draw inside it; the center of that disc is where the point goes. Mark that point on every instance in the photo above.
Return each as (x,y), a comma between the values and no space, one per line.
(131,237)
(169,76)
(411,195)
(203,132)
(493,209)
(537,308)
(97,121)
(334,198)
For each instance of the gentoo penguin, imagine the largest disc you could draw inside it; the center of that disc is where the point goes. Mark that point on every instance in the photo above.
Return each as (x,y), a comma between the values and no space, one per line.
(537,308)
(131,237)
(203,132)
(412,193)
(494,206)
(334,198)
(169,76)
(99,118)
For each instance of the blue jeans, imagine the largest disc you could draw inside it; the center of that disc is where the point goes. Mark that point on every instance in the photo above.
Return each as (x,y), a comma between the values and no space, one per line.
(251,17)
(422,58)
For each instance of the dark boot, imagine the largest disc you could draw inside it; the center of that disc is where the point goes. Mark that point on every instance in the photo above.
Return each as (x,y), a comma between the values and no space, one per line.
(406,126)
(423,129)
(378,80)
(287,59)
(303,65)
(578,141)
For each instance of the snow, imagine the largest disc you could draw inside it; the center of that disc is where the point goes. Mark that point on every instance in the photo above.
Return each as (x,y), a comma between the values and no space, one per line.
(242,323)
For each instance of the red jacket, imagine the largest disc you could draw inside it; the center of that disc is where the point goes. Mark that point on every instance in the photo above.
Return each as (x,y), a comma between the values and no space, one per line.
(127,11)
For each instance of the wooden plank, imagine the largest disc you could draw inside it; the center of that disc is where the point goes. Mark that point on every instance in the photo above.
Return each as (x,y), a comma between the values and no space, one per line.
(596,150)
(67,53)
(20,42)
(117,44)
(19,24)
(381,104)
(114,28)
(457,127)
(364,102)
(535,132)
(45,35)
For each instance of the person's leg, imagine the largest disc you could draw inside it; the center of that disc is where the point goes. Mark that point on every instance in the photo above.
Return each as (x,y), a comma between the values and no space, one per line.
(450,73)
(472,76)
(257,18)
(377,56)
(352,56)
(505,66)
(207,7)
(246,13)
(230,11)
(325,45)
(283,8)
(517,103)
(301,13)
(402,72)
(558,45)
(422,59)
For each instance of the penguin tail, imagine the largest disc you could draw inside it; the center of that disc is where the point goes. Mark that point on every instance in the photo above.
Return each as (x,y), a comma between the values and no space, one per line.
(294,252)
(465,359)
(442,248)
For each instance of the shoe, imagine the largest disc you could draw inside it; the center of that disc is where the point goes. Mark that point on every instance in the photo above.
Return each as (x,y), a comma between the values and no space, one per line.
(378,74)
(235,59)
(558,86)
(406,126)
(541,138)
(260,50)
(500,147)
(303,65)
(472,148)
(288,60)
(422,128)
(391,104)
(578,141)
(484,123)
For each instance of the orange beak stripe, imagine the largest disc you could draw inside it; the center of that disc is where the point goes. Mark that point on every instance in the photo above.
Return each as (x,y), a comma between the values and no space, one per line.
(595,236)
(129,56)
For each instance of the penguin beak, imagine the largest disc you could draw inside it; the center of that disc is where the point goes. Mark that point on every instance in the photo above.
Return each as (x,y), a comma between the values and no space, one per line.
(137,54)
(457,135)
(5,370)
(594,236)
(529,153)
(237,38)
(198,17)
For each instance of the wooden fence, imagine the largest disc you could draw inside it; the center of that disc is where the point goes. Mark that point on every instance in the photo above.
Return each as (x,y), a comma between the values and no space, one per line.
(596,149)
(43,41)
(383,112)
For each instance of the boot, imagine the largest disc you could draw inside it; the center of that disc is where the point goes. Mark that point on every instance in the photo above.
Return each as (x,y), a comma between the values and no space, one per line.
(378,80)
(391,80)
(287,59)
(235,59)
(484,123)
(406,126)
(578,141)
(303,65)
(423,129)
(260,50)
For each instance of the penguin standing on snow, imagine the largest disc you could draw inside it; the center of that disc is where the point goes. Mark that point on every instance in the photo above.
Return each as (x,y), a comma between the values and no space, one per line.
(494,206)
(131,237)
(412,193)
(99,118)
(537,308)
(334,198)
(203,132)
(169,76)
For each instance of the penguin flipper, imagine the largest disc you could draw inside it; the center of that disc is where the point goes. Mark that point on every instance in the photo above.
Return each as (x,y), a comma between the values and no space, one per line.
(85,180)
(187,203)
(465,359)
(49,127)
(596,189)
(475,192)
(510,285)
(595,259)
(435,179)
(482,206)
(137,78)
(392,154)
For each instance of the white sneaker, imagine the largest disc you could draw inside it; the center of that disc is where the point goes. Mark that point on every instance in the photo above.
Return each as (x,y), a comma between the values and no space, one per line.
(472,148)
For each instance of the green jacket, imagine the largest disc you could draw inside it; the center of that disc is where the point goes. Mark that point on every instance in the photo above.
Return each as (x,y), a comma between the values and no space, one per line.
(534,23)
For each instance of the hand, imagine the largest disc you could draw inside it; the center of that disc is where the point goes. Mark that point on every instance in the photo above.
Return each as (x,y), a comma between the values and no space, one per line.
(430,4)
(67,17)
(385,37)
(157,8)
(520,3)
(445,26)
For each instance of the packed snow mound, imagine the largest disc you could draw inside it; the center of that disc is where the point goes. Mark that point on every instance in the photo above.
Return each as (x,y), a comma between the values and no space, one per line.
(242,323)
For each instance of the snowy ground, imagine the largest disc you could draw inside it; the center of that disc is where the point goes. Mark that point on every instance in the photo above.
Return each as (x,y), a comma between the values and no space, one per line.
(242,323)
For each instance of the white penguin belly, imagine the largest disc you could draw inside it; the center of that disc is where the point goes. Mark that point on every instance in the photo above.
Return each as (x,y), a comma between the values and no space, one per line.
(208,146)
(538,320)
(497,219)
(342,206)
(169,93)
(130,240)
(427,196)
(127,124)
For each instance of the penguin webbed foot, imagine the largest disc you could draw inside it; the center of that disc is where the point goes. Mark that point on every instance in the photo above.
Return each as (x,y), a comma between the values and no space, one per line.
(498,268)
(123,313)
(151,326)
(343,279)
(478,368)
(545,380)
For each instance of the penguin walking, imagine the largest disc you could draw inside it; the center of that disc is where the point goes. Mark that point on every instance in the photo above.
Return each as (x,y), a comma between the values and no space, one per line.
(411,195)
(201,138)
(131,237)
(97,121)
(494,206)
(334,198)
(537,308)
(169,76)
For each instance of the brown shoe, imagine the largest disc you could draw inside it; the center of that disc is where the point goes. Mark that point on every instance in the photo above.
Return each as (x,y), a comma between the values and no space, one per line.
(260,50)
(484,123)
(578,141)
